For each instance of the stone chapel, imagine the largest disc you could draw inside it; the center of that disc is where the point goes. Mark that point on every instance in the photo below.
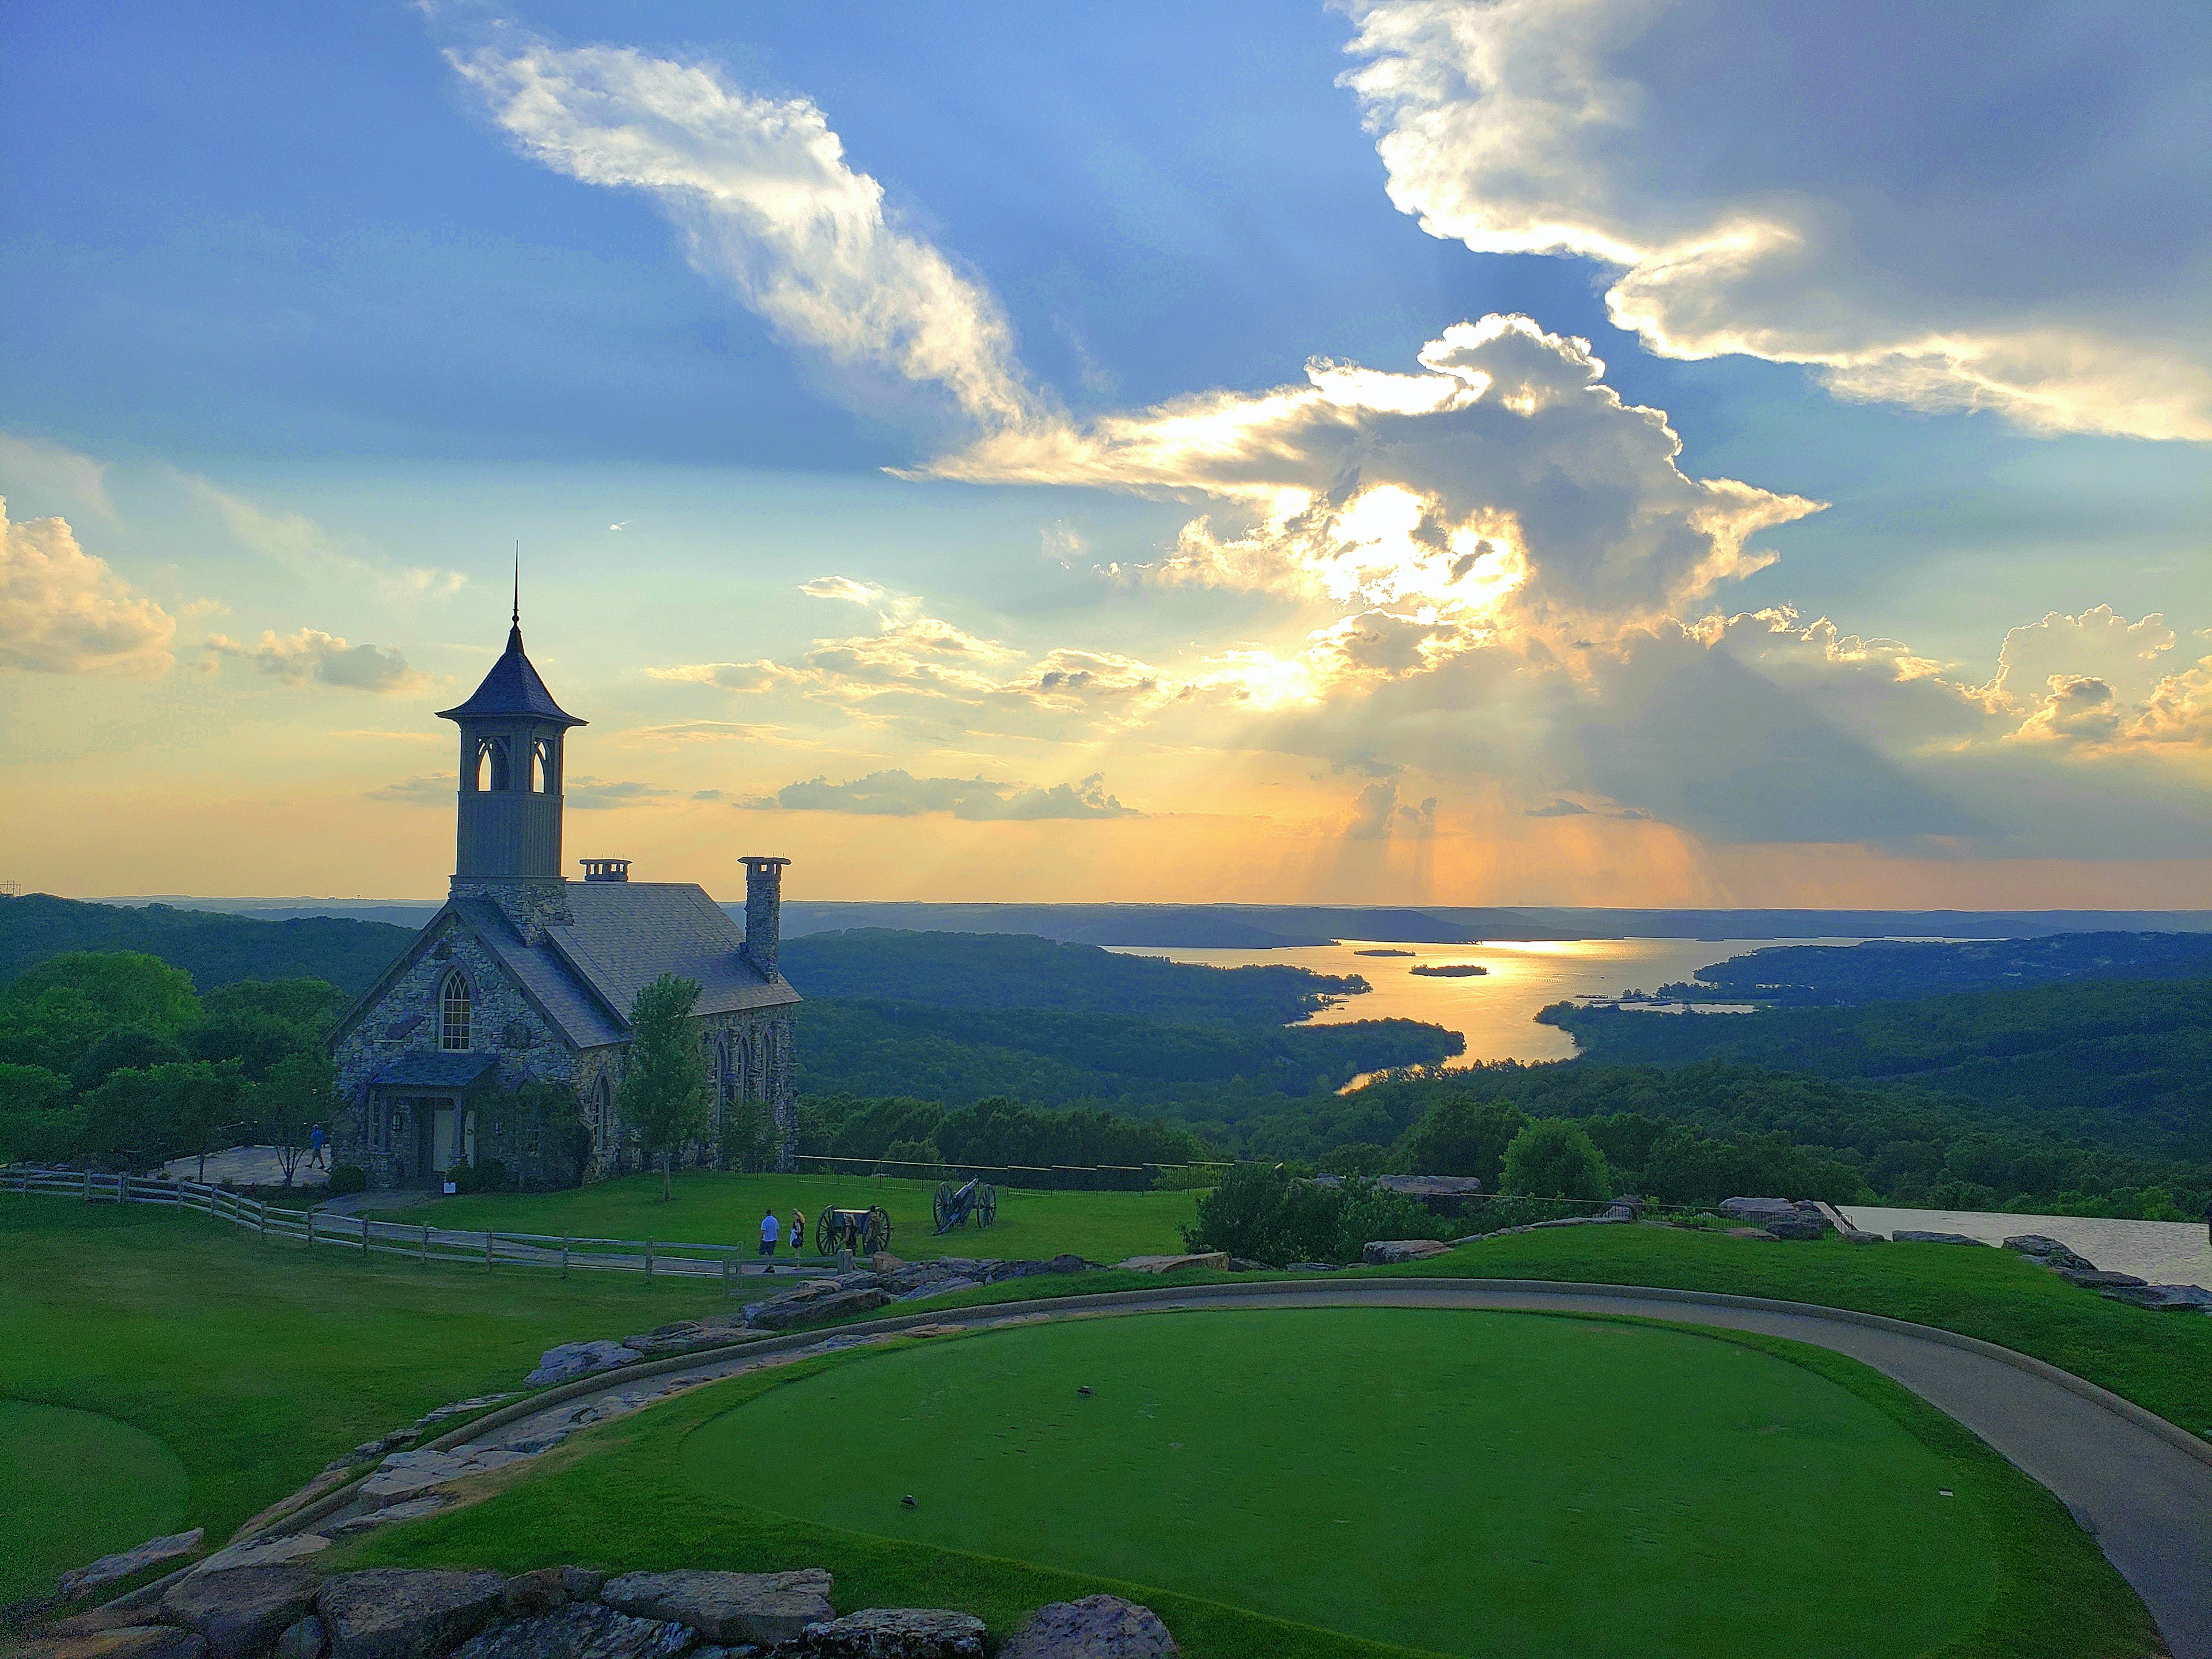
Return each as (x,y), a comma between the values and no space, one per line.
(526,977)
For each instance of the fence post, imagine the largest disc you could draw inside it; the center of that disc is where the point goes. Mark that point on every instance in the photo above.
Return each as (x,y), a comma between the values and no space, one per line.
(364,1237)
(648,1258)
(264,1203)
(310,1229)
(487,1249)
(564,1255)
(122,1186)
(423,1255)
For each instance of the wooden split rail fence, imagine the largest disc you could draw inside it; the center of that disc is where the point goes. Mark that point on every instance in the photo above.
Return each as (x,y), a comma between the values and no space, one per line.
(359,1233)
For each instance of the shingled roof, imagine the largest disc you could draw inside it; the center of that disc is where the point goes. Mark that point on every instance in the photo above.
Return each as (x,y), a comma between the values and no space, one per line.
(584,975)
(511,688)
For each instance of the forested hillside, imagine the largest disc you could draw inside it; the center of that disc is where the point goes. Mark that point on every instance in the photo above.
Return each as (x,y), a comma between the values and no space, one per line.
(961,1017)
(214,948)
(2121,1062)
(1819,975)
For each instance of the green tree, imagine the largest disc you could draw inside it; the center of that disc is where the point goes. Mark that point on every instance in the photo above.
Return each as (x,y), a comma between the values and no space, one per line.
(128,987)
(37,1122)
(1458,1136)
(295,1096)
(1555,1158)
(748,1137)
(1360,1158)
(125,1048)
(137,1120)
(665,1098)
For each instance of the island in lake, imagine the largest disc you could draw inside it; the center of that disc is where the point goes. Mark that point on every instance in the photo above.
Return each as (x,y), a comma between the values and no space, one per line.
(1449,970)
(1383,953)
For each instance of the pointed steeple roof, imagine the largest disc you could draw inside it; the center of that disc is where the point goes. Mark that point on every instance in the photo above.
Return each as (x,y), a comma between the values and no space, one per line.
(513,688)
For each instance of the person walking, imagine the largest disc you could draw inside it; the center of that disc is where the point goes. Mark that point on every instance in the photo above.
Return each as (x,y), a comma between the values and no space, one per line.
(797,1231)
(317,1144)
(768,1237)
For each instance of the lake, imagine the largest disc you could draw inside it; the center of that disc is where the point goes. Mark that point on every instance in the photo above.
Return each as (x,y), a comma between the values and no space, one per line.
(1497,1012)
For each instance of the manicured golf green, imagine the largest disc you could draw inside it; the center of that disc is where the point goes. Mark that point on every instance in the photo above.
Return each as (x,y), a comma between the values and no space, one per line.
(1456,1481)
(77,1486)
(711,1207)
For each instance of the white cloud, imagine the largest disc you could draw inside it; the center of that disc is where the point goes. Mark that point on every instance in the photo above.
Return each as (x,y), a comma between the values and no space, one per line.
(64,612)
(898,793)
(38,465)
(300,546)
(439,789)
(1377,815)
(325,659)
(1504,473)
(2098,643)
(594,794)
(1764,181)
(765,200)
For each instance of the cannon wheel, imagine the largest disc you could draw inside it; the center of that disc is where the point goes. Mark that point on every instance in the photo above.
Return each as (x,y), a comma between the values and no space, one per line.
(987,1204)
(942,1206)
(879,1230)
(823,1237)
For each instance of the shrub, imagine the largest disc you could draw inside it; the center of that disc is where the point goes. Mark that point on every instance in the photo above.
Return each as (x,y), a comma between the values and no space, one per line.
(1555,1158)
(1263,1212)
(348,1178)
(491,1175)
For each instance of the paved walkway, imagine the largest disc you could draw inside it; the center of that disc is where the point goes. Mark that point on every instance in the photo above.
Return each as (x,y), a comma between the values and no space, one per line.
(2147,1501)
(245,1166)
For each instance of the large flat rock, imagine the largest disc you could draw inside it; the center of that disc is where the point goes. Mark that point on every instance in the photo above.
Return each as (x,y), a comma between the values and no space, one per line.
(582,1630)
(114,1569)
(726,1607)
(1216,1259)
(401,1613)
(1389,1252)
(1096,1627)
(123,1642)
(898,1633)
(241,1611)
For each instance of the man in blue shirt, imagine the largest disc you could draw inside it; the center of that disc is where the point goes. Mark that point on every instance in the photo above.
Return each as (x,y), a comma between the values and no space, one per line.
(767,1234)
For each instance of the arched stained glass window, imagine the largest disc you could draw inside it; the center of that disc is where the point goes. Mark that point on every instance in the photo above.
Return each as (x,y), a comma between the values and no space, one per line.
(454,1013)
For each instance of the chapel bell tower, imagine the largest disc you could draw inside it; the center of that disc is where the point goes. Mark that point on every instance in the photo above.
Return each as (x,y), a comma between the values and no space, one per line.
(511,736)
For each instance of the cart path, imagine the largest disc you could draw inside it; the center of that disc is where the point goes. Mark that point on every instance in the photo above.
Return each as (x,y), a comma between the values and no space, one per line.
(2148,1502)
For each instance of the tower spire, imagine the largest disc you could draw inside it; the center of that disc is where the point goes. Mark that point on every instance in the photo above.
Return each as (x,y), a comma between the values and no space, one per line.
(514,633)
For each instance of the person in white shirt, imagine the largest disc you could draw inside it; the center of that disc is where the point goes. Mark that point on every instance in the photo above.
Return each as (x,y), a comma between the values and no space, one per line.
(767,1234)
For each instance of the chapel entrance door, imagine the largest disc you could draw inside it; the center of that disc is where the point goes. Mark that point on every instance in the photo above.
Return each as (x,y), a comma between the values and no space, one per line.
(441,1139)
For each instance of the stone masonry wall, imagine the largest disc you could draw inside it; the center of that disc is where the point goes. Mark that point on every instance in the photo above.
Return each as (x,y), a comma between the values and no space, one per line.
(407,1021)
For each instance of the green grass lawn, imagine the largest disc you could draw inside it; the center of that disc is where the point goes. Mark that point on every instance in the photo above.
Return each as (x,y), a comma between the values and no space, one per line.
(1297,1483)
(252,1364)
(2163,1361)
(74,1486)
(710,1207)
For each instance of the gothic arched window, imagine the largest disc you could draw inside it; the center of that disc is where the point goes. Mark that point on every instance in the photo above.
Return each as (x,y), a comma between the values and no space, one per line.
(603,1100)
(454,1013)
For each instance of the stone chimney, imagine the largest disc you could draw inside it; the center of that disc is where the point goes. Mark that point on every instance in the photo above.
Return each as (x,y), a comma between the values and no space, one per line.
(763,910)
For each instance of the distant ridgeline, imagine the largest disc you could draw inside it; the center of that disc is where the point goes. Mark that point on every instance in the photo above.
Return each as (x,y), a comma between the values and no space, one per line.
(1817,975)
(214,948)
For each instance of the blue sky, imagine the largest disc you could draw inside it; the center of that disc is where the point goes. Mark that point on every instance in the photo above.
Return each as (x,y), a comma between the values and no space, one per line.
(313,312)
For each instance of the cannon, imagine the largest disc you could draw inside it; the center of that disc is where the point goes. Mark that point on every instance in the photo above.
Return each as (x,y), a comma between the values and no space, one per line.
(952,1207)
(864,1232)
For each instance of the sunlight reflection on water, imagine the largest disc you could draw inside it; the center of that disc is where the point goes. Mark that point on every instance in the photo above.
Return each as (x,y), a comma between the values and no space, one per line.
(1497,1012)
